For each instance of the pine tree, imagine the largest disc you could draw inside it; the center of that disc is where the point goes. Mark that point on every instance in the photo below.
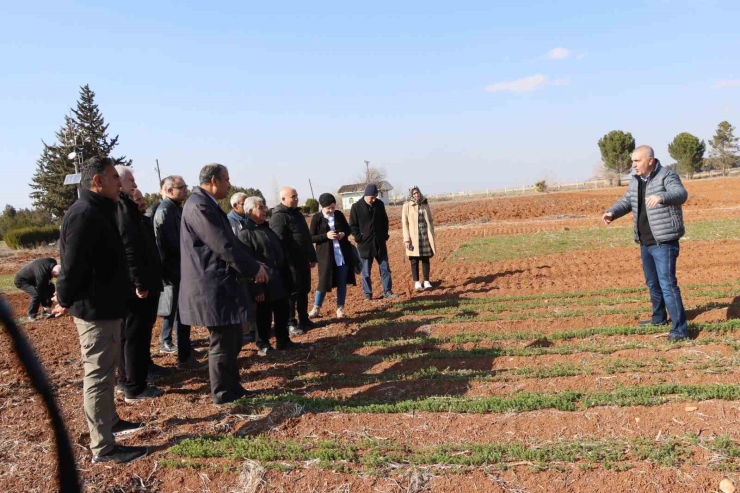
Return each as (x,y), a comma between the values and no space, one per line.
(86,134)
(616,148)
(724,146)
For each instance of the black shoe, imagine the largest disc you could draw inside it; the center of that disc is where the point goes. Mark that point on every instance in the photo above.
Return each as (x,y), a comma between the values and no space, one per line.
(157,371)
(191,364)
(264,351)
(124,427)
(676,338)
(646,323)
(122,454)
(368,296)
(242,392)
(120,388)
(167,348)
(306,325)
(197,353)
(391,295)
(147,393)
(227,398)
(287,345)
(248,338)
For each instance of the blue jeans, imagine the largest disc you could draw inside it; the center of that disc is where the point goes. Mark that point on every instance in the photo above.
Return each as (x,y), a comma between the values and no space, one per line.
(340,276)
(659,266)
(385,275)
(182,331)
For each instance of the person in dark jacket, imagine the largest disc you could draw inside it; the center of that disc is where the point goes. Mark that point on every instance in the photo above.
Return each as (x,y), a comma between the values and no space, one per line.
(330,232)
(271,298)
(289,224)
(369,224)
(654,196)
(93,287)
(167,233)
(35,280)
(211,265)
(145,278)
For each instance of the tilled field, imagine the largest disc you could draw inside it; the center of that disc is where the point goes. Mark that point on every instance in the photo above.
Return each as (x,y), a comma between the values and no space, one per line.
(526,374)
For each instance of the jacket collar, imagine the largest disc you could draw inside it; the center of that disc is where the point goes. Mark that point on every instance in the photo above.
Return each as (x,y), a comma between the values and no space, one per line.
(168,200)
(233,215)
(207,198)
(285,209)
(652,174)
(253,226)
(97,200)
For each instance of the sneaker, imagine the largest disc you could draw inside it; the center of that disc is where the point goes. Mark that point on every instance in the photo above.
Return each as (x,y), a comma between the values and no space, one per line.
(390,295)
(124,427)
(295,331)
(167,348)
(314,312)
(676,338)
(417,286)
(48,315)
(264,350)
(368,296)
(287,345)
(427,285)
(191,364)
(340,312)
(646,323)
(30,319)
(120,389)
(148,393)
(122,454)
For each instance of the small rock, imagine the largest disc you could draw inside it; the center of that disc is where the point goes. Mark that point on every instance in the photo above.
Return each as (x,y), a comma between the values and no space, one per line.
(691,409)
(637,420)
(726,486)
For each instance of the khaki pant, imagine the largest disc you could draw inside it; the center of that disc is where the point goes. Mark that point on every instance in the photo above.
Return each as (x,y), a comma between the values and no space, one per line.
(99,344)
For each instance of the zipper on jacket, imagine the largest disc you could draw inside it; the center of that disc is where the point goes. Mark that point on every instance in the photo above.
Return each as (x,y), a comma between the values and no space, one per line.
(647,211)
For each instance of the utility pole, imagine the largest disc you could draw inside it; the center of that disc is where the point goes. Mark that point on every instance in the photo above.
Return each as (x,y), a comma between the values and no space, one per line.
(367,171)
(156,168)
(309,184)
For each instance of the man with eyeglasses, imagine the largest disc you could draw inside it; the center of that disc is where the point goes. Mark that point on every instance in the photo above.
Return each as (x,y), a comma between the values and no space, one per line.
(167,232)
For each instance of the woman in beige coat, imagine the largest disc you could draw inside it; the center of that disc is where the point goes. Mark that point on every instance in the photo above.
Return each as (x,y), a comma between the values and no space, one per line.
(418,235)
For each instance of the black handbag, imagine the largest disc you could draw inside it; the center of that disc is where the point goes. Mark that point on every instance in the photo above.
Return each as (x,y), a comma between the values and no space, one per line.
(166,302)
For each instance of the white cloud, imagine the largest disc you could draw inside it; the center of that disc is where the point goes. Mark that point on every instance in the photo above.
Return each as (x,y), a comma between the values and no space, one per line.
(526,84)
(558,54)
(721,84)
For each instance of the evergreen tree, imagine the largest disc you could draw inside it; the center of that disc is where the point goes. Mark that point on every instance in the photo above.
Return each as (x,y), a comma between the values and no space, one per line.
(688,151)
(86,134)
(724,146)
(616,148)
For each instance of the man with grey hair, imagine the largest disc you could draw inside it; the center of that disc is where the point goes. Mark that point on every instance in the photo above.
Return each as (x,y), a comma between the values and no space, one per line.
(654,196)
(35,280)
(237,216)
(167,233)
(145,286)
(211,295)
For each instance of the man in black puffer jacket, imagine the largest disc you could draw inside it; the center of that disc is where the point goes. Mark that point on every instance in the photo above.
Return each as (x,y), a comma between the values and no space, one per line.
(291,227)
(93,287)
(654,196)
(272,298)
(145,279)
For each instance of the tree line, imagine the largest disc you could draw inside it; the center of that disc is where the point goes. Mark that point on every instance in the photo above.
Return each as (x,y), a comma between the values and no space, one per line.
(688,151)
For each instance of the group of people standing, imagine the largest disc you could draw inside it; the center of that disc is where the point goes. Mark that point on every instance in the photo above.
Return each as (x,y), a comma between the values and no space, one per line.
(192,264)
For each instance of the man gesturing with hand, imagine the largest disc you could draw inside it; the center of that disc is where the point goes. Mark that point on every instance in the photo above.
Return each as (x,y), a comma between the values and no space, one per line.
(654,196)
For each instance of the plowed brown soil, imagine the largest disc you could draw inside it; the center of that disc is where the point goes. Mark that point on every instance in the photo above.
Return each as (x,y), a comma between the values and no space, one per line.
(27,449)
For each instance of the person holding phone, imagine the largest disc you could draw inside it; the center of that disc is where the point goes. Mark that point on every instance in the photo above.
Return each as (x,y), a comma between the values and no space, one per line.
(330,232)
(418,236)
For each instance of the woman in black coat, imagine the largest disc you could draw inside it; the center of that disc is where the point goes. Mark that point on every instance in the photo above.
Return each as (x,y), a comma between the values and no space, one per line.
(330,232)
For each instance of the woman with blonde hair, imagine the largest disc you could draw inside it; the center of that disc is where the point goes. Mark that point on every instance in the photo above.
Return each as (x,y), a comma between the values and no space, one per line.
(418,236)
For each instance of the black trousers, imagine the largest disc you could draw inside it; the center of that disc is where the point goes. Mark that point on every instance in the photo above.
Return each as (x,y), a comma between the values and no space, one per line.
(298,309)
(223,369)
(415,267)
(38,297)
(265,311)
(136,339)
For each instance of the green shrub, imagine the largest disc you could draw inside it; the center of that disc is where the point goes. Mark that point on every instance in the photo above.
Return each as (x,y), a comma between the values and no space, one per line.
(541,186)
(311,207)
(31,236)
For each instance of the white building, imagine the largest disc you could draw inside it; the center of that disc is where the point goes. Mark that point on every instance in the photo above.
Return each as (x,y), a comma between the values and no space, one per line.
(352,193)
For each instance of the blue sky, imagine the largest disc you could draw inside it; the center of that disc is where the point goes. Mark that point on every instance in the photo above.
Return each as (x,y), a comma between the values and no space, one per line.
(448,96)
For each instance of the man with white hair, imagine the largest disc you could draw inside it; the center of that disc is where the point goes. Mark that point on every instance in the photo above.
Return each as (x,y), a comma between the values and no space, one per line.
(145,280)
(654,197)
(35,279)
(237,216)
